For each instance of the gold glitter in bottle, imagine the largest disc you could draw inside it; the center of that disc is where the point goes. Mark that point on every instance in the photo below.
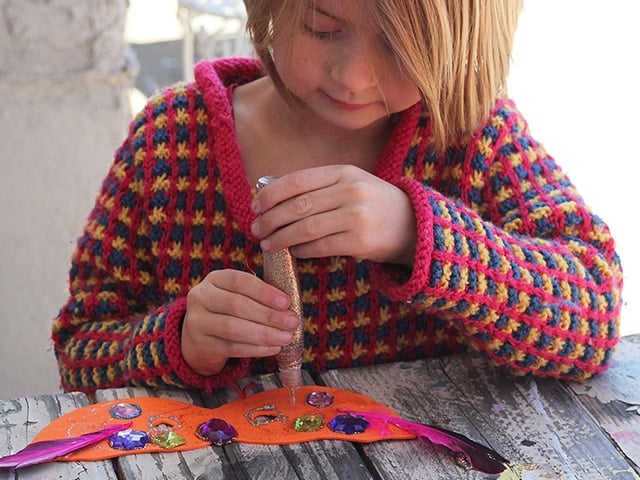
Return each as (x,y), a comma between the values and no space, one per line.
(280,271)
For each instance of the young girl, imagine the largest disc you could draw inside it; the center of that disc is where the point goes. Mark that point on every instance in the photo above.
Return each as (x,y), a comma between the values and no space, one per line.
(425,217)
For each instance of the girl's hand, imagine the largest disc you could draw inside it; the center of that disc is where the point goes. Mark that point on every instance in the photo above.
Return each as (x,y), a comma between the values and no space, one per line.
(336,210)
(234,314)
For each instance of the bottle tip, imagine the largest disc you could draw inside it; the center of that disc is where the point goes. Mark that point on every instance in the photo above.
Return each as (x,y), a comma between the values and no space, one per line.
(292,395)
(291,379)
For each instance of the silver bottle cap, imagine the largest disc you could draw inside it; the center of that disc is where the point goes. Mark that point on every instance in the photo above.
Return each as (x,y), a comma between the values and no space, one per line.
(262,181)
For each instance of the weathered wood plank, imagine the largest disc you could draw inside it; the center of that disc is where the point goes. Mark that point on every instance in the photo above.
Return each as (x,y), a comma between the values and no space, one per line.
(542,425)
(538,425)
(613,399)
(22,418)
(401,386)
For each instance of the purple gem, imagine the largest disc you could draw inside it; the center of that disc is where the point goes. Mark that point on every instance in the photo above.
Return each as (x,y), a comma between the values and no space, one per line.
(125,411)
(348,424)
(217,431)
(319,399)
(128,439)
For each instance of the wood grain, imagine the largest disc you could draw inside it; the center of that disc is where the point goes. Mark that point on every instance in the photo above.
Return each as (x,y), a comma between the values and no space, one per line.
(22,418)
(613,399)
(540,425)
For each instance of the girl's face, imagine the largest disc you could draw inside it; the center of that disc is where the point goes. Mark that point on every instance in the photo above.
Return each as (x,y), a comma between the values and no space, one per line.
(341,67)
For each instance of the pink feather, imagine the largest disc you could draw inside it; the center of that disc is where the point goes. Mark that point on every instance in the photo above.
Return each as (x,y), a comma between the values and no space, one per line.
(480,457)
(40,452)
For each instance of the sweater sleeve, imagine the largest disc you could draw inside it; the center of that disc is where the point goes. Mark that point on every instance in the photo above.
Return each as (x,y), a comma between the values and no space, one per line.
(520,264)
(119,326)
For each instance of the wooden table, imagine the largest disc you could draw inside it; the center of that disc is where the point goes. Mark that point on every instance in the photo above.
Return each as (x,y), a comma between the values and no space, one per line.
(548,429)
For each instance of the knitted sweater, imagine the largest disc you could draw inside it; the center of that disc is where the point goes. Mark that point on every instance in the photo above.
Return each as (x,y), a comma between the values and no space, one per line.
(509,260)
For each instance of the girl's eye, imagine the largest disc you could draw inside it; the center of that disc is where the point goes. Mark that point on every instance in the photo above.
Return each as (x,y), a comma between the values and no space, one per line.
(318,33)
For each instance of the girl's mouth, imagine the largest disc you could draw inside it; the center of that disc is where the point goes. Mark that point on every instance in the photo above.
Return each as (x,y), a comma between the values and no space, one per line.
(347,106)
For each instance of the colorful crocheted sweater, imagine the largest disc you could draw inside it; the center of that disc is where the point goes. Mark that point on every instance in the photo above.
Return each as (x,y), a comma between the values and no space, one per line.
(509,260)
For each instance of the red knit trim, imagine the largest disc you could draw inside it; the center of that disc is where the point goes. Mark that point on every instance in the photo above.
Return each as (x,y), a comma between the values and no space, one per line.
(233,371)
(390,163)
(383,275)
(213,80)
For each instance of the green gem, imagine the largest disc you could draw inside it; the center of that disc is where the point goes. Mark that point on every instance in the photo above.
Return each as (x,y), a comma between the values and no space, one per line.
(168,440)
(308,423)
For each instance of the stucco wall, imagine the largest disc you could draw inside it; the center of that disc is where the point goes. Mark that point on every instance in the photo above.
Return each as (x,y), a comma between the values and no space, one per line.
(64,73)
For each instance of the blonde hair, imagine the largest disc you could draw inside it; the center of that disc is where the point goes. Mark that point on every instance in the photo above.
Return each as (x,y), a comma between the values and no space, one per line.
(457,52)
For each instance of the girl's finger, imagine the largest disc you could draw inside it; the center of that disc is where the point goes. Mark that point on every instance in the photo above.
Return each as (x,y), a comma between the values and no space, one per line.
(249,291)
(309,229)
(234,330)
(293,209)
(294,184)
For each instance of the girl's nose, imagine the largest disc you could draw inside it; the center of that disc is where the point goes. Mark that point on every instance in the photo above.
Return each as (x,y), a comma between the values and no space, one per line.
(354,67)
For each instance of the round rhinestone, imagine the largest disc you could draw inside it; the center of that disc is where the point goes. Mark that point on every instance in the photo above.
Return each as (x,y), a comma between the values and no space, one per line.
(320,399)
(125,411)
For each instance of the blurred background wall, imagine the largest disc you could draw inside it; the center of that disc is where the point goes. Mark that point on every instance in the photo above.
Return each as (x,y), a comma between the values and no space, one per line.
(72,72)
(65,72)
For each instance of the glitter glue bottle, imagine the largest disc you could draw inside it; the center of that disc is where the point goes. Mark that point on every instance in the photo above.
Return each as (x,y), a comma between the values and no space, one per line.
(280,271)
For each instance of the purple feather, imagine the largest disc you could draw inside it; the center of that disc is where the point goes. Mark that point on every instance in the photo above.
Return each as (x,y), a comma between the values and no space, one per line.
(479,457)
(40,452)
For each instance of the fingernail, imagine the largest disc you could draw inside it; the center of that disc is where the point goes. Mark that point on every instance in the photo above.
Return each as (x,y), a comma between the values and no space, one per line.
(293,321)
(281,302)
(285,337)
(265,245)
(255,228)
(255,206)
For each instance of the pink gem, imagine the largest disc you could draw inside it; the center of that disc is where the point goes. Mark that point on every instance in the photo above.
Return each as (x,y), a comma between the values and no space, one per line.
(125,411)
(320,399)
